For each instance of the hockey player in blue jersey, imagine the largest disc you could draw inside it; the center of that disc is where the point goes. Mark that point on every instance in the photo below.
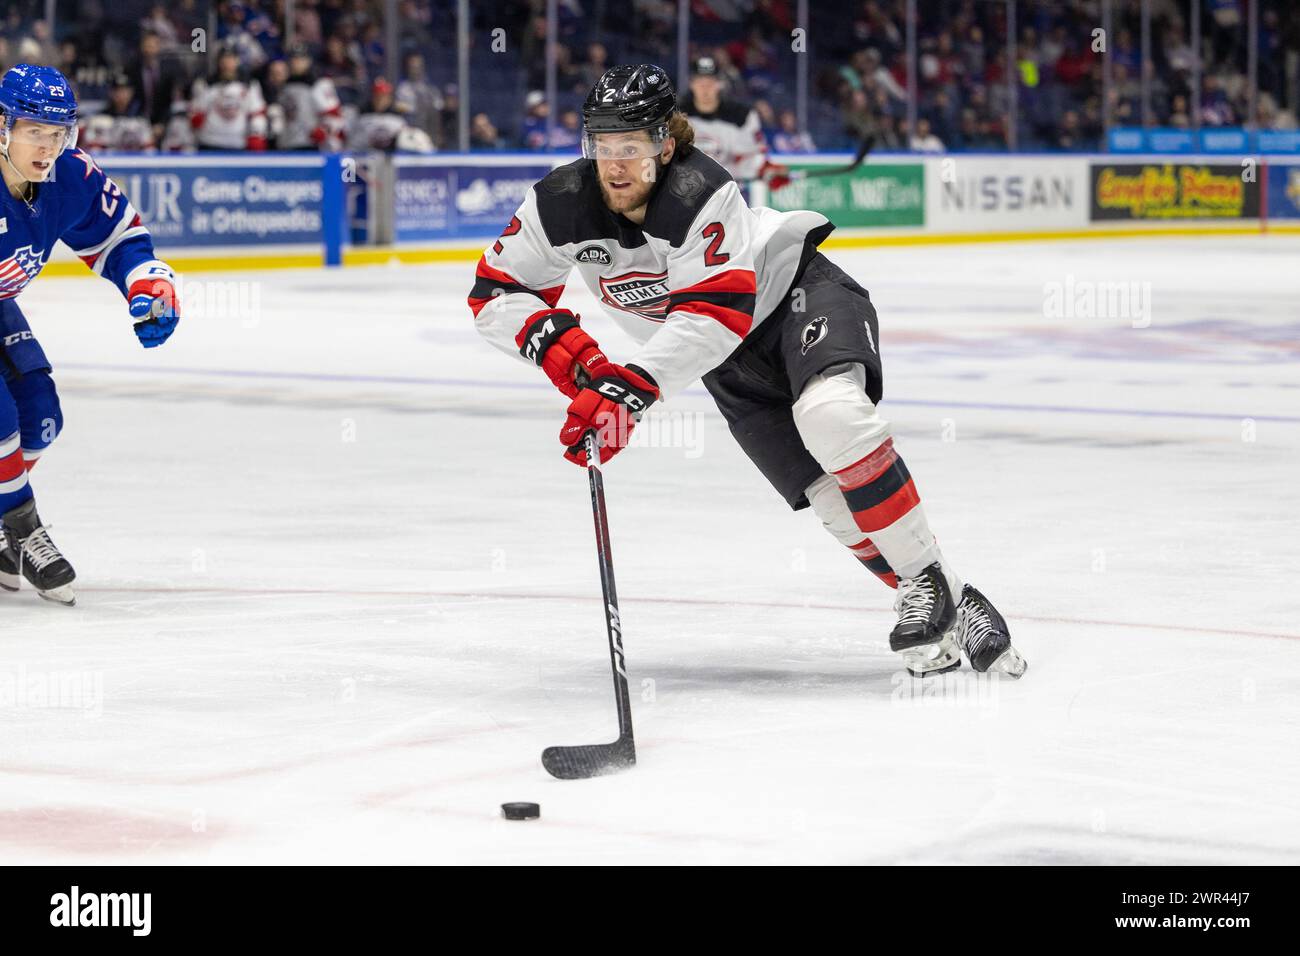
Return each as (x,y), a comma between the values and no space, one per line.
(54,191)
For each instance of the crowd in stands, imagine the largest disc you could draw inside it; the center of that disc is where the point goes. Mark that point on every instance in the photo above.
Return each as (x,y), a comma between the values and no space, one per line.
(234,74)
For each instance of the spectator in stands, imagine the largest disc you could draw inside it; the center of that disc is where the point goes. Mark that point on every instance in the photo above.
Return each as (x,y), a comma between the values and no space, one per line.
(160,25)
(306,23)
(536,111)
(419,100)
(597,63)
(888,137)
(342,70)
(1069,136)
(1178,117)
(483,136)
(381,126)
(154,83)
(568,132)
(859,118)
(1216,108)
(789,138)
(119,127)
(233,30)
(450,116)
(925,141)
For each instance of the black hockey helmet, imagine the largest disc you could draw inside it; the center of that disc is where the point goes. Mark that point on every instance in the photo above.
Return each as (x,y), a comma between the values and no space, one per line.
(632,97)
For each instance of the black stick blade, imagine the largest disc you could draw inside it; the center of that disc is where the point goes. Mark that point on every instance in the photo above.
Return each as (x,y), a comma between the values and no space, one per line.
(592,760)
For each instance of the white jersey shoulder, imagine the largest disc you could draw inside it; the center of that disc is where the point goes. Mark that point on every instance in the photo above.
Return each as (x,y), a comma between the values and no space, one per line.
(689,284)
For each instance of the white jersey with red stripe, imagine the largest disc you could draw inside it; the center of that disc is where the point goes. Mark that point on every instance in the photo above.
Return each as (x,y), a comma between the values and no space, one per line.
(229,114)
(689,283)
(732,134)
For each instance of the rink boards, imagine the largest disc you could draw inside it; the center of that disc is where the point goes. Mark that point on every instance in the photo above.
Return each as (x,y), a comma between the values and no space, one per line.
(221,212)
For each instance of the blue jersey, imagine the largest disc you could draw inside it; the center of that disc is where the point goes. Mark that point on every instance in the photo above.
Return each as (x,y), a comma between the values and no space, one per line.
(84,208)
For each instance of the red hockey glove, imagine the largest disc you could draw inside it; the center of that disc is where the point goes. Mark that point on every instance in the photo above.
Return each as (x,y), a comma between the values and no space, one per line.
(775,175)
(610,404)
(553,340)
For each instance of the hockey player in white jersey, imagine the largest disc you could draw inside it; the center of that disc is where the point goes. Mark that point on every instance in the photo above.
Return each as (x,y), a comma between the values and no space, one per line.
(727,130)
(118,128)
(785,341)
(227,111)
(310,108)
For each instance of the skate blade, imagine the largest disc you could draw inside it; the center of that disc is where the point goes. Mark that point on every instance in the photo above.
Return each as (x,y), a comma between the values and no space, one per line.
(928,659)
(9,582)
(1010,664)
(61,595)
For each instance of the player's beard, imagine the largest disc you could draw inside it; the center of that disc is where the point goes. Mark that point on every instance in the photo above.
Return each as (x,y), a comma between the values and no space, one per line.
(637,196)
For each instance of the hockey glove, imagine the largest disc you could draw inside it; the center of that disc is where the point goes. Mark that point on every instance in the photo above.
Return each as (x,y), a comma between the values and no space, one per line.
(610,404)
(553,340)
(154,307)
(775,175)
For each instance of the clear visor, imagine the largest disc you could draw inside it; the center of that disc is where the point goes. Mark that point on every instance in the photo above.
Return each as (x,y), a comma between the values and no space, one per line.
(627,147)
(53,135)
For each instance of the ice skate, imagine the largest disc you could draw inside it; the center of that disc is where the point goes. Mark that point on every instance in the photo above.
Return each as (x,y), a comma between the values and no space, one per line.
(984,637)
(9,576)
(29,552)
(925,632)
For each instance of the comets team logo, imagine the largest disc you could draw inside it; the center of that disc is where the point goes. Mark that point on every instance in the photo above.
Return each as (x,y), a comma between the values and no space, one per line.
(641,293)
(813,333)
(18,270)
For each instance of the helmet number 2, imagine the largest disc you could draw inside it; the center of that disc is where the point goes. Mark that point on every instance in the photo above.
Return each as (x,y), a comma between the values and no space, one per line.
(712,257)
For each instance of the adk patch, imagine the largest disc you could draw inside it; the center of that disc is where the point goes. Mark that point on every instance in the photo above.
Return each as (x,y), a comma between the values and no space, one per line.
(593,254)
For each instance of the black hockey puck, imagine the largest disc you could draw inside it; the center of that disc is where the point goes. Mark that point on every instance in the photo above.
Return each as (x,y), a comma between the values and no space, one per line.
(521,811)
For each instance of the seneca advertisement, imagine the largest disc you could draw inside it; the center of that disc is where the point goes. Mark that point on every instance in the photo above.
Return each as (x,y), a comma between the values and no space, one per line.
(1174,191)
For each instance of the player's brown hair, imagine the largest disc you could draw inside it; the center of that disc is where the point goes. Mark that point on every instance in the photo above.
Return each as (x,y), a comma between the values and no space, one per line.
(679,128)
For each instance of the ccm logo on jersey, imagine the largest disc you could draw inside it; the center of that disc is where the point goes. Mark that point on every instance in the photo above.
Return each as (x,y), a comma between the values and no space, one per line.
(593,254)
(641,293)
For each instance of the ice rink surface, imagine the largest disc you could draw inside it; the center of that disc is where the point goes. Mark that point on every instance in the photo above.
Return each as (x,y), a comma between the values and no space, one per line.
(338,589)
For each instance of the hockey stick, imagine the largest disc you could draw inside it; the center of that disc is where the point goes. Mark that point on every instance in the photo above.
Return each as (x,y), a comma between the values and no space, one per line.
(858,158)
(576,763)
(864,149)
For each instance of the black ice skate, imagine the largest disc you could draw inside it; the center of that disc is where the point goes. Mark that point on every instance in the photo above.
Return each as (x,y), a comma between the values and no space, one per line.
(9,576)
(29,551)
(927,616)
(984,636)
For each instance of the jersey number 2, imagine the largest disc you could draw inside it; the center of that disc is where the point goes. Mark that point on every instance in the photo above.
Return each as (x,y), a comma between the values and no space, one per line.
(712,257)
(510,230)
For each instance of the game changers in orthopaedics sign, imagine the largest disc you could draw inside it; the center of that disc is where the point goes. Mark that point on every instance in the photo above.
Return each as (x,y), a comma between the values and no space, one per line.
(202,201)
(1166,191)
(1011,193)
